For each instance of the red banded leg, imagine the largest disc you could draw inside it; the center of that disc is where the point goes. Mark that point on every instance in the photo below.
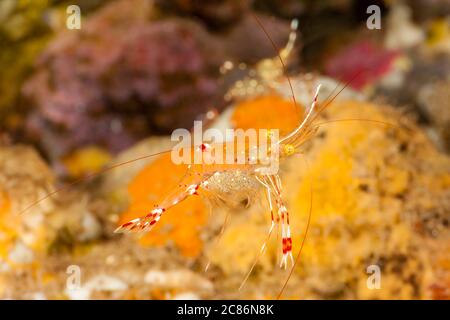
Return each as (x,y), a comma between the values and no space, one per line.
(146,223)
(285,236)
(286,239)
(274,221)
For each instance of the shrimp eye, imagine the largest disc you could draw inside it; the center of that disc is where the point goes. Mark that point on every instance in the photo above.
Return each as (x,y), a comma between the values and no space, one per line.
(289,149)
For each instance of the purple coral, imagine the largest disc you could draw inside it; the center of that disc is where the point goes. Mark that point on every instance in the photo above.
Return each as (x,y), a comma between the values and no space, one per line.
(127,73)
(116,80)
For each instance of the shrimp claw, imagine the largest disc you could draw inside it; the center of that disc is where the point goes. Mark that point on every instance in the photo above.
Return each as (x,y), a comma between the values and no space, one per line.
(143,223)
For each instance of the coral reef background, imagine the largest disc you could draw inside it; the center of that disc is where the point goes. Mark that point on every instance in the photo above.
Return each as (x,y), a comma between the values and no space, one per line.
(75,101)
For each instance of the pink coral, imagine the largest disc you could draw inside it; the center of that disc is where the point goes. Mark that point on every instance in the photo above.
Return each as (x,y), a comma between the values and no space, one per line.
(107,84)
(361,63)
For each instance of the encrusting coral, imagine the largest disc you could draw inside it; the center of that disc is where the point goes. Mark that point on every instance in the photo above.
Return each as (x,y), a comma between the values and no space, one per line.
(375,184)
(380,197)
(182,227)
(377,189)
(365,179)
(29,234)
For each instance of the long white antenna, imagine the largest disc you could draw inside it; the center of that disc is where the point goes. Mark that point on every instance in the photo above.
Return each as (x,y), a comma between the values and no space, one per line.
(308,116)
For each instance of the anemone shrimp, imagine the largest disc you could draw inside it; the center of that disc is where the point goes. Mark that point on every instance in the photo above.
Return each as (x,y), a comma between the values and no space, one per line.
(235,181)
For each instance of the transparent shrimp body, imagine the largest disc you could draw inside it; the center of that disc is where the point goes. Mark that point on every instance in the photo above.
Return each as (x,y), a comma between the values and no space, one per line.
(236,171)
(242,170)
